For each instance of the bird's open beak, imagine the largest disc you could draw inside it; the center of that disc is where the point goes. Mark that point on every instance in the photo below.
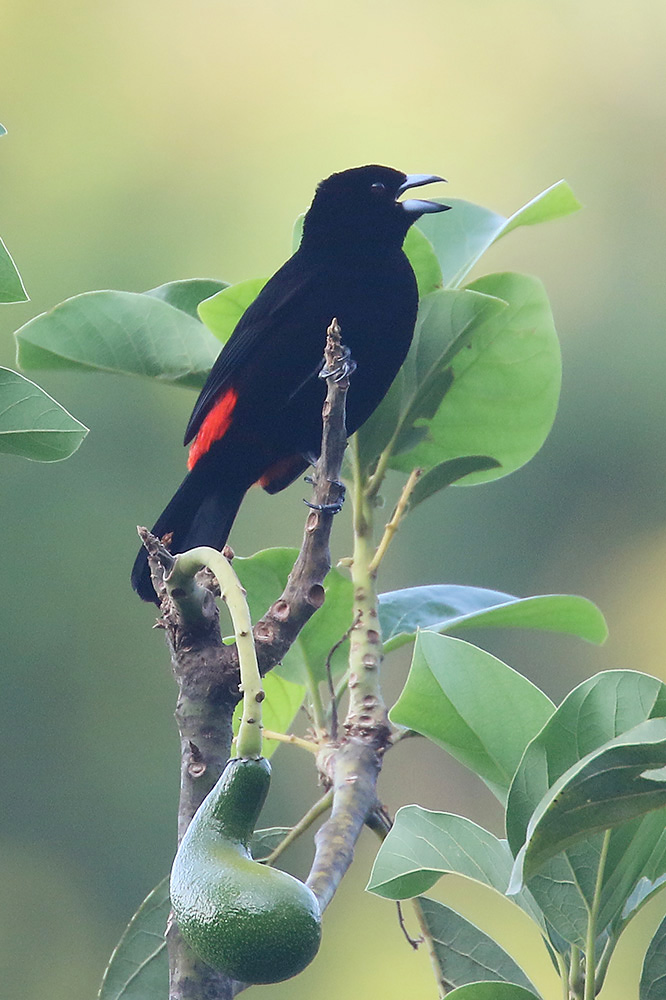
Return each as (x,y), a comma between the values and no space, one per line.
(415,206)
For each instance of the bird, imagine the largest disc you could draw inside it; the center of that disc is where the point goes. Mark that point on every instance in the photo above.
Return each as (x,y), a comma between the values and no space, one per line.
(258,418)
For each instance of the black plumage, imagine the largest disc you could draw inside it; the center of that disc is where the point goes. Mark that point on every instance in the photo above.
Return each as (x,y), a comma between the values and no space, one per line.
(258,417)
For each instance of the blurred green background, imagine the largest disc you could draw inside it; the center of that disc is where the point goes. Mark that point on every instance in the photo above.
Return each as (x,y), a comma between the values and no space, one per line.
(153,141)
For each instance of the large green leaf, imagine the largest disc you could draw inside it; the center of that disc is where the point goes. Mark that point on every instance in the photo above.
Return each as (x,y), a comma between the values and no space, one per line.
(281,705)
(491,991)
(653,977)
(596,711)
(461,697)
(446,474)
(464,953)
(505,383)
(12,288)
(450,608)
(139,968)
(222,311)
(423,259)
(445,325)
(623,779)
(636,858)
(645,889)
(423,845)
(463,235)
(188,293)
(264,576)
(122,332)
(32,424)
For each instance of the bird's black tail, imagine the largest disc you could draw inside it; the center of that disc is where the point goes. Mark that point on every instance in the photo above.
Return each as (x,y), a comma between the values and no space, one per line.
(196,515)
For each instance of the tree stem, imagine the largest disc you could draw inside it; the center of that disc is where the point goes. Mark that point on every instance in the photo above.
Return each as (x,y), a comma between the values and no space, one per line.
(187,564)
(591,939)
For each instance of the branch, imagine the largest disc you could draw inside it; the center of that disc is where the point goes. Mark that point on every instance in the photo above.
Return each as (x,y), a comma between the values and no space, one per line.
(276,632)
(207,695)
(207,671)
(353,769)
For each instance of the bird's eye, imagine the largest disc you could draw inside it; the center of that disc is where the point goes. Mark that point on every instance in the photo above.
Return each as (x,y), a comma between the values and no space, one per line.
(378,188)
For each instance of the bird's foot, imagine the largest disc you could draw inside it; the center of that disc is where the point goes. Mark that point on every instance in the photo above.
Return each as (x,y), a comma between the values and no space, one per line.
(328,508)
(346,366)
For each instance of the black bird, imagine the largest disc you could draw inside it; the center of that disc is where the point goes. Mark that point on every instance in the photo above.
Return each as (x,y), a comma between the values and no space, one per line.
(258,417)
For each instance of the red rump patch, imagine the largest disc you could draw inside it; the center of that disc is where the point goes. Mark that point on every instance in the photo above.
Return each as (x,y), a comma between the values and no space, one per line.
(281,473)
(215,425)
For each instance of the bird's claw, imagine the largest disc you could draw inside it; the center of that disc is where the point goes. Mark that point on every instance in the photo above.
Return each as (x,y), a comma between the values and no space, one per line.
(328,508)
(345,367)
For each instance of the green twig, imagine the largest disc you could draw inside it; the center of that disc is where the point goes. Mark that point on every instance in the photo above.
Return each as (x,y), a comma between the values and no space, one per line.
(295,741)
(366,716)
(396,518)
(444,986)
(187,564)
(313,813)
(564,974)
(575,973)
(591,938)
(602,964)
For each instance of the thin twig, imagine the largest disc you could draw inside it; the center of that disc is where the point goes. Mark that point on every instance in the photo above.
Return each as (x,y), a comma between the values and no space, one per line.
(331,686)
(313,814)
(295,741)
(394,523)
(414,942)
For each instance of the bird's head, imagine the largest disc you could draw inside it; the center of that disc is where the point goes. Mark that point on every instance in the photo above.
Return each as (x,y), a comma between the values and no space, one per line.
(360,207)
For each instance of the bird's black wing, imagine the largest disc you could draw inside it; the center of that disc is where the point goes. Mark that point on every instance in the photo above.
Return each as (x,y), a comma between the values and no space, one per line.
(286,301)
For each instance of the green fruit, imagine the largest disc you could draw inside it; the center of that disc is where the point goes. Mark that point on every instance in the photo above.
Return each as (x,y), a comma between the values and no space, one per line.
(254,923)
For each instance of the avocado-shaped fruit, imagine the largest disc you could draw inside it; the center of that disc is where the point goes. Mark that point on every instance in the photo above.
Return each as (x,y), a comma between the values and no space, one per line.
(254,923)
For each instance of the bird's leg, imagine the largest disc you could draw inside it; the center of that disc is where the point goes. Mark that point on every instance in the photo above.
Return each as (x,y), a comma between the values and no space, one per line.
(345,366)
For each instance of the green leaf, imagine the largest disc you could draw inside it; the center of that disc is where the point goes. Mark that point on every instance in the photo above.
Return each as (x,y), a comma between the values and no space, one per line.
(636,857)
(595,712)
(446,474)
(12,288)
(139,967)
(490,991)
(222,311)
(297,232)
(505,382)
(446,322)
(280,707)
(460,697)
(422,257)
(449,608)
(561,902)
(653,977)
(462,236)
(122,332)
(187,294)
(265,841)
(34,425)
(423,845)
(606,788)
(264,576)
(465,954)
